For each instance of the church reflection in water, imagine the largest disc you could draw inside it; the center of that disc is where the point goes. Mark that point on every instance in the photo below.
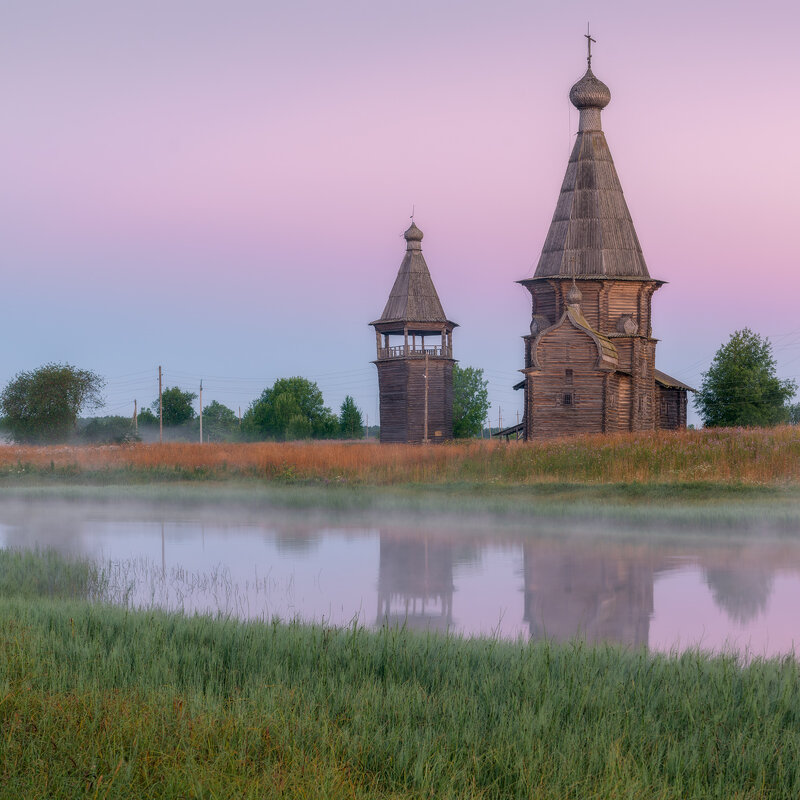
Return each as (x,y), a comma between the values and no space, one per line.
(588,593)
(567,591)
(415,582)
(595,591)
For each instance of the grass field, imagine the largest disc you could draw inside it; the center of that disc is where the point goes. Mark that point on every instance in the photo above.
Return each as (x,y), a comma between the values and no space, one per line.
(101,702)
(754,457)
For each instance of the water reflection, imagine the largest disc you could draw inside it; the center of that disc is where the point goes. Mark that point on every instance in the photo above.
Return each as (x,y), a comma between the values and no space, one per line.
(743,592)
(415,579)
(644,590)
(599,596)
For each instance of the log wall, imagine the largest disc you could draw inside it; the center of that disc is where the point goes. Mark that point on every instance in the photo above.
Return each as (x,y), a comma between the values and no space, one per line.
(567,395)
(401,384)
(626,400)
(544,301)
(672,408)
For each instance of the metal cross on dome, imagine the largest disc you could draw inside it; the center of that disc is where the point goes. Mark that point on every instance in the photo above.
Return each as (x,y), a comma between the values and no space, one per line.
(589,41)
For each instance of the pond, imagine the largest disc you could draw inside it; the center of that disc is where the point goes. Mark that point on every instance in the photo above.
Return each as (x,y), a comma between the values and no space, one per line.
(666,590)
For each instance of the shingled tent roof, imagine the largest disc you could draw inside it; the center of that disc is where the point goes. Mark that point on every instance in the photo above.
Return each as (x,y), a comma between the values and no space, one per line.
(592,233)
(413,297)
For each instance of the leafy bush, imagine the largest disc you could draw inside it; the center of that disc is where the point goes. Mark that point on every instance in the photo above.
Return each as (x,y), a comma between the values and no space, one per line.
(108,430)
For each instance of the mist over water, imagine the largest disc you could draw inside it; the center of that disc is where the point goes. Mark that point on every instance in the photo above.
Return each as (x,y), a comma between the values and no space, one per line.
(652,589)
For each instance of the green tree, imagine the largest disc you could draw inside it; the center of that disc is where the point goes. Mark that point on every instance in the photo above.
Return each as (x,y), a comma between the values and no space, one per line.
(741,388)
(470,401)
(176,405)
(147,417)
(43,405)
(219,422)
(292,408)
(351,425)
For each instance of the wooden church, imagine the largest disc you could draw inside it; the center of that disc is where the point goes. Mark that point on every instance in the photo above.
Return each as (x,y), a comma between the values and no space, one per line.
(590,355)
(415,376)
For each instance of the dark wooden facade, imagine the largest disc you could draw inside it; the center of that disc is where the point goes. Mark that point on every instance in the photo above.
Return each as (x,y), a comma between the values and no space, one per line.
(590,355)
(672,401)
(414,343)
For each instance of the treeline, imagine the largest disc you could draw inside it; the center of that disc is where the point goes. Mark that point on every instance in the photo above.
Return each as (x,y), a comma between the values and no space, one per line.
(290,409)
(43,406)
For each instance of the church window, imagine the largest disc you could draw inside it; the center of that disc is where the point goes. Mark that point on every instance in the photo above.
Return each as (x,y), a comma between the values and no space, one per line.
(568,399)
(568,377)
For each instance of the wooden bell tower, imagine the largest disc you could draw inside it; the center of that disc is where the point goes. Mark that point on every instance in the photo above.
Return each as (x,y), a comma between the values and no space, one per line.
(414,342)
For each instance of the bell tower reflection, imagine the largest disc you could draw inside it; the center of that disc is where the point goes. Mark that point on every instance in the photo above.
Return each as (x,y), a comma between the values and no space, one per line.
(585,593)
(415,582)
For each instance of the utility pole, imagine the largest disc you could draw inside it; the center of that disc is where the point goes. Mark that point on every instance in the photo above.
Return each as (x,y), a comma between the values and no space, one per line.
(517,423)
(425,437)
(201,411)
(366,433)
(135,418)
(240,416)
(160,409)
(499,419)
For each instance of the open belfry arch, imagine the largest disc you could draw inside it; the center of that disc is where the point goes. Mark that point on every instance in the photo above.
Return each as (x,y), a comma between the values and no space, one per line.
(590,354)
(414,342)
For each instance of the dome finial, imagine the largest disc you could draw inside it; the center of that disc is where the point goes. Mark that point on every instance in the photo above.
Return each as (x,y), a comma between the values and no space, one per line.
(589,41)
(413,236)
(589,95)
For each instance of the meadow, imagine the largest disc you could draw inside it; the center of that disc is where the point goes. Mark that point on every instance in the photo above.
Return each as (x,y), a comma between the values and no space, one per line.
(103,702)
(723,477)
(731,455)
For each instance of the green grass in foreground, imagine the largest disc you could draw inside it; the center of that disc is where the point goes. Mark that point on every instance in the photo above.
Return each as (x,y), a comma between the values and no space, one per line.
(101,702)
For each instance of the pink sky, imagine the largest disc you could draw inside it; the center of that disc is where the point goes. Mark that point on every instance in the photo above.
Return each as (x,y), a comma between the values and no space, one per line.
(221,188)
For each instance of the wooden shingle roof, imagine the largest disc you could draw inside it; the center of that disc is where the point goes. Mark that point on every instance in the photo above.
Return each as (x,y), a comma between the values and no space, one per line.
(671,383)
(592,233)
(413,297)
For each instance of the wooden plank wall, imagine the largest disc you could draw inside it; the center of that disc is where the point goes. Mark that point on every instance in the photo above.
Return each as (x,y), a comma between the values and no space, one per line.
(615,402)
(547,414)
(393,390)
(624,298)
(401,384)
(544,301)
(672,408)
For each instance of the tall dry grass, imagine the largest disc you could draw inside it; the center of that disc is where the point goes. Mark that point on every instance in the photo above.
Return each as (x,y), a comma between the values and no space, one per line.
(751,456)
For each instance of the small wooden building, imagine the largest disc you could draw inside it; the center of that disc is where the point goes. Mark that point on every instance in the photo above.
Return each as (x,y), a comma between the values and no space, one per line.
(414,342)
(590,354)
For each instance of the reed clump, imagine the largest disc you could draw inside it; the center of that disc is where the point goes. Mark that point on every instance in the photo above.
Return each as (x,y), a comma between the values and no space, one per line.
(35,574)
(746,456)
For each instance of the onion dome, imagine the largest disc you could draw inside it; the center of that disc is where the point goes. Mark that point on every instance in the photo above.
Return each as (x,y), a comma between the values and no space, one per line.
(413,234)
(590,92)
(574,295)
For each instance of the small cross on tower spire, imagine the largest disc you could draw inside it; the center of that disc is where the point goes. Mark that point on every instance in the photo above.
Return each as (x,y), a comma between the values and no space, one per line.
(589,41)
